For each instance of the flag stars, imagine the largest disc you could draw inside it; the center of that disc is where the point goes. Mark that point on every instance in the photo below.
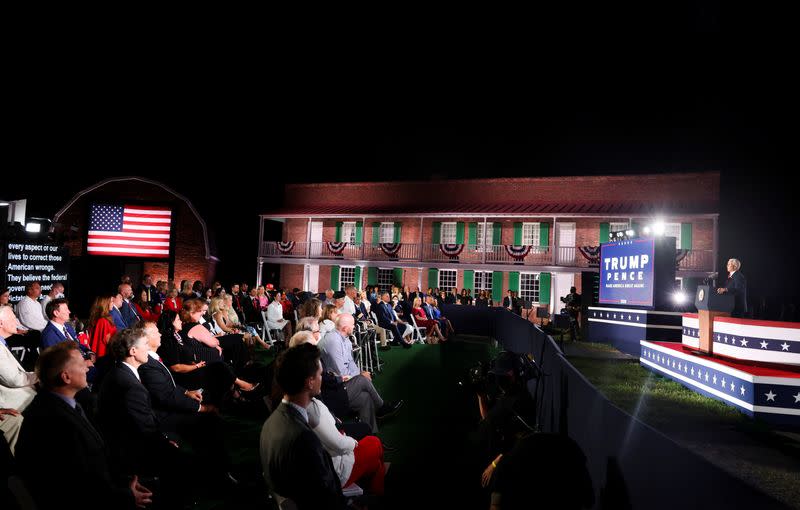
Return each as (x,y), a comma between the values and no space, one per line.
(764,344)
(741,389)
(733,386)
(637,318)
(723,384)
(629,317)
(715,379)
(770,396)
(715,382)
(743,342)
(692,371)
(797,398)
(784,346)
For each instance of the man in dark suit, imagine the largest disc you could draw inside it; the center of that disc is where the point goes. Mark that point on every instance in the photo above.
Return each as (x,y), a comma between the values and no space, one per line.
(387,319)
(182,412)
(736,285)
(508,301)
(116,313)
(128,423)
(295,464)
(129,314)
(58,328)
(237,301)
(55,432)
(152,291)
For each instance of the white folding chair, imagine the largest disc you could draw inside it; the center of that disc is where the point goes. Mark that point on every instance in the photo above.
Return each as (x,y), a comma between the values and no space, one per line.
(421,338)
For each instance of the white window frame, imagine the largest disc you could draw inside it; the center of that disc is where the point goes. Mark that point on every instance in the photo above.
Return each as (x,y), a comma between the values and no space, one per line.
(530,233)
(350,280)
(531,294)
(485,279)
(448,232)
(448,273)
(385,285)
(486,237)
(673,230)
(349,232)
(616,226)
(387,232)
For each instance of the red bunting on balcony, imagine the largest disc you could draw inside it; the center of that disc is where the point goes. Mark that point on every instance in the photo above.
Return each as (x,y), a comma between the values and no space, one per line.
(390,249)
(451,250)
(518,252)
(679,256)
(285,247)
(590,253)
(336,247)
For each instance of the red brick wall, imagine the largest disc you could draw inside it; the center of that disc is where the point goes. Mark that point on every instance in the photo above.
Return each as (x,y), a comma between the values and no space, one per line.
(295,230)
(692,188)
(292,276)
(324,278)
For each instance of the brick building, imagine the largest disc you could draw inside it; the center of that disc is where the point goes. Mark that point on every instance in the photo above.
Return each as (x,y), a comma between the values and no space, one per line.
(534,235)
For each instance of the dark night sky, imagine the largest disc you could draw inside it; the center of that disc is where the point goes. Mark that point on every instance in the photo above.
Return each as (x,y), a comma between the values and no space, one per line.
(232,154)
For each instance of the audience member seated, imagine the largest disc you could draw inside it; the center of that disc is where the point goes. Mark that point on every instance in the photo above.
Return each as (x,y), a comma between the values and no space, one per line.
(433,332)
(333,393)
(129,314)
(186,290)
(432,311)
(452,298)
(59,451)
(10,425)
(483,299)
(362,315)
(58,330)
(16,385)
(29,310)
(263,299)
(145,309)
(101,324)
(388,319)
(150,291)
(252,307)
(56,291)
(116,311)
(232,323)
(294,462)
(216,378)
(311,308)
(162,289)
(237,300)
(173,302)
(129,424)
(182,412)
(208,347)
(275,318)
(337,356)
(327,322)
(465,298)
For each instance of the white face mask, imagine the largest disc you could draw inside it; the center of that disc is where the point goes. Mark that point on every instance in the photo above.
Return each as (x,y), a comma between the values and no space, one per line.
(60,295)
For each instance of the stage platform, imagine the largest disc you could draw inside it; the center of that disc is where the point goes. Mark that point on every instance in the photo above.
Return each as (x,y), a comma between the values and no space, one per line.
(764,390)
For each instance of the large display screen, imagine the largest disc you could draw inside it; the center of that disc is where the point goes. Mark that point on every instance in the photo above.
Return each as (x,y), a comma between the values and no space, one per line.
(626,272)
(26,261)
(129,231)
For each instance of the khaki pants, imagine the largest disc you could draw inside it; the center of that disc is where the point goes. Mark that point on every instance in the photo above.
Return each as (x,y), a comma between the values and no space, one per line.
(10,426)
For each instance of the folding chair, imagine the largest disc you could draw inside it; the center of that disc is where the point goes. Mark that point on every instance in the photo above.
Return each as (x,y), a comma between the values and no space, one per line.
(421,338)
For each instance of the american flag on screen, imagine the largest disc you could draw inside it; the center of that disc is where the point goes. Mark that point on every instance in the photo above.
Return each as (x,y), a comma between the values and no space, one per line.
(129,231)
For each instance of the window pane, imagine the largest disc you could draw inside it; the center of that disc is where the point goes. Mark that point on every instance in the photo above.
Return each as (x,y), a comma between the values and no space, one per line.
(447,279)
(673,230)
(529,287)
(483,280)
(385,279)
(530,234)
(448,233)
(347,276)
(387,232)
(349,232)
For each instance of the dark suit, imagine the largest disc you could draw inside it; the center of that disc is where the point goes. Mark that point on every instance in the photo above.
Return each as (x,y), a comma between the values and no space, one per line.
(383,312)
(129,314)
(127,420)
(119,321)
(51,335)
(167,397)
(60,455)
(295,464)
(737,287)
(152,296)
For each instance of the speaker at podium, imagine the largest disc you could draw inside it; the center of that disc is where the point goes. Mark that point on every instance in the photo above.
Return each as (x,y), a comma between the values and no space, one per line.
(710,305)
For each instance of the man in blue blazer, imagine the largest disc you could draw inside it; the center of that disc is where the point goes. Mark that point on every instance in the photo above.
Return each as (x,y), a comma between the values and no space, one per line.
(116,314)
(58,330)
(129,314)
(387,319)
(736,285)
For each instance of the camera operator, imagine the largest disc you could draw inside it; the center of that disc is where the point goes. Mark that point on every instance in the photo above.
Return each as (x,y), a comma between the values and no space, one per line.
(572,302)
(507,409)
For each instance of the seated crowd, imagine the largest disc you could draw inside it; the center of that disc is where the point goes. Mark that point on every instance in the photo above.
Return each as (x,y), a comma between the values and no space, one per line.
(156,368)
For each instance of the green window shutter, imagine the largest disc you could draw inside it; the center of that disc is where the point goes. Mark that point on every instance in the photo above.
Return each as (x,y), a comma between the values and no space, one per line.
(513,281)
(469,279)
(398,276)
(359,232)
(338,231)
(604,231)
(335,278)
(372,276)
(497,233)
(357,280)
(460,232)
(517,233)
(376,235)
(473,234)
(397,227)
(497,287)
(686,236)
(433,278)
(544,288)
(437,232)
(544,234)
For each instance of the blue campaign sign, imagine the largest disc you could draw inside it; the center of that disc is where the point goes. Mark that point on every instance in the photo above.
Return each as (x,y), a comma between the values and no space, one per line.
(626,272)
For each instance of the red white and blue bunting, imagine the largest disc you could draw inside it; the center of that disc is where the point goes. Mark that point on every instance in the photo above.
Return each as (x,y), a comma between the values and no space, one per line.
(285,247)
(679,256)
(590,253)
(390,249)
(336,247)
(518,251)
(451,250)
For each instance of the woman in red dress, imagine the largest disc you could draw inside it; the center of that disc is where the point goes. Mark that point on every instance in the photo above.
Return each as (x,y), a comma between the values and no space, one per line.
(101,325)
(173,301)
(434,333)
(146,312)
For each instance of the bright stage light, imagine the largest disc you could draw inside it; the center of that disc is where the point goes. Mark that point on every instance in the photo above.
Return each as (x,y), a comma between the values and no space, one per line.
(679,297)
(33,227)
(647,230)
(630,233)
(659,228)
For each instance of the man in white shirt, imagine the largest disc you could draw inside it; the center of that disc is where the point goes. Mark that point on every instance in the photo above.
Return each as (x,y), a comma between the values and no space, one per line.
(16,385)
(29,310)
(56,292)
(349,306)
(275,318)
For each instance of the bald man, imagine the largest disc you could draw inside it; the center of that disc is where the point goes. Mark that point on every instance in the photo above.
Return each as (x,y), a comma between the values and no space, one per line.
(337,357)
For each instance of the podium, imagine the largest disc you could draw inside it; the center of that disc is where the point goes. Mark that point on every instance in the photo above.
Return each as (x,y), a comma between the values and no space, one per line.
(710,305)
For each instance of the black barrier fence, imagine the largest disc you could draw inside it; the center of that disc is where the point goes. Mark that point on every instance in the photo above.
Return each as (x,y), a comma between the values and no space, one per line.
(631,464)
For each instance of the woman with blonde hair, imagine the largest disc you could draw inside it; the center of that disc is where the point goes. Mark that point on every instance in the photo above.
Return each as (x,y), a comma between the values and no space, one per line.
(101,325)
(227,320)
(434,333)
(328,321)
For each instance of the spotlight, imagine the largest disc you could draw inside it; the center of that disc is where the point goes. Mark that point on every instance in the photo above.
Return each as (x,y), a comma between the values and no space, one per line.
(630,233)
(33,227)
(659,228)
(679,297)
(647,230)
